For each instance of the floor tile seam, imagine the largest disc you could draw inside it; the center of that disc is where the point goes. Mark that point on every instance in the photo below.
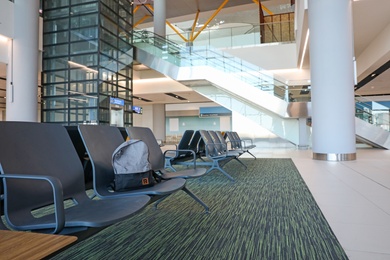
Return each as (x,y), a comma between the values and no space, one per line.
(362,174)
(312,189)
(332,221)
(367,198)
(367,252)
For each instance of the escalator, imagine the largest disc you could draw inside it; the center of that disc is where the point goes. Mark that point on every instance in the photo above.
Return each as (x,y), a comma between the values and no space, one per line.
(372,123)
(238,86)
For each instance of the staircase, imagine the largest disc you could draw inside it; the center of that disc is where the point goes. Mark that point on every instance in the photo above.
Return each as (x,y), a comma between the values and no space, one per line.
(238,86)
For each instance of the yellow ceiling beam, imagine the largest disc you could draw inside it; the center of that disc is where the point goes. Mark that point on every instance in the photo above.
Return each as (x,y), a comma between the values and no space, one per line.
(194,24)
(136,9)
(141,20)
(192,36)
(150,6)
(170,25)
(267,10)
(176,31)
(264,8)
(209,20)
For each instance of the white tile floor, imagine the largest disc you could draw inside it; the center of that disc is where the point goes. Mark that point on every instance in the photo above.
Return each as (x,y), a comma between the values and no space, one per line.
(354,196)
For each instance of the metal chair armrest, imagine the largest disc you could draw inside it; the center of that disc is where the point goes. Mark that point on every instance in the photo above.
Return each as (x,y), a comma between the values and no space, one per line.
(57,195)
(181,150)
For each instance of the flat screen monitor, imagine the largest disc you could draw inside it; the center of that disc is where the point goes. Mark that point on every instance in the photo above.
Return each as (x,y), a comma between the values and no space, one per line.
(137,109)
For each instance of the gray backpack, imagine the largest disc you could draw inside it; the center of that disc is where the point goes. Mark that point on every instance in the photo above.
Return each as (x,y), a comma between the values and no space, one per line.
(131,166)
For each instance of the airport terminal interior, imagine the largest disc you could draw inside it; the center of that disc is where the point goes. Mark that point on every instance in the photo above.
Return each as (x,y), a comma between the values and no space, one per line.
(244,66)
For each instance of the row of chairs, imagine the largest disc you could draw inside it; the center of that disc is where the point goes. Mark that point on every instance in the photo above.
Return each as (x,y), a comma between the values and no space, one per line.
(209,148)
(40,167)
(100,143)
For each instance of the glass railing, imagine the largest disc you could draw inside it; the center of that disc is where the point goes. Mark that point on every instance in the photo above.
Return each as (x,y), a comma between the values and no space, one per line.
(241,36)
(372,112)
(184,56)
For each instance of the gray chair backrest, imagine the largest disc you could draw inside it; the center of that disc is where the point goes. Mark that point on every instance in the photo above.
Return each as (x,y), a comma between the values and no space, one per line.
(194,144)
(156,156)
(219,144)
(238,139)
(100,142)
(220,137)
(74,135)
(38,149)
(210,148)
(185,139)
(235,142)
(184,143)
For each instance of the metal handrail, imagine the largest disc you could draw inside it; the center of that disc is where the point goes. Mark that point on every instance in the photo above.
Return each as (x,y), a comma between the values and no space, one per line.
(207,56)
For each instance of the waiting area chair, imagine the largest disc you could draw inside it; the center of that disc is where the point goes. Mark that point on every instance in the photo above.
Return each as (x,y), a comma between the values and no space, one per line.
(100,142)
(216,154)
(222,146)
(242,144)
(188,153)
(74,135)
(157,158)
(183,151)
(40,168)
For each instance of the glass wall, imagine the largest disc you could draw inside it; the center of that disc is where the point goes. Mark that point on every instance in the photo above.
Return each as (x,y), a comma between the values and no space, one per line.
(87,60)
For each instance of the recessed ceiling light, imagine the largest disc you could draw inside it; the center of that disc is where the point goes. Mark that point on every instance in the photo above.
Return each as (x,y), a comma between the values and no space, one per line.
(175,96)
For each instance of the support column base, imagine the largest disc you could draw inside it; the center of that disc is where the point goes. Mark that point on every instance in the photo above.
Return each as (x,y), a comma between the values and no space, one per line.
(334,157)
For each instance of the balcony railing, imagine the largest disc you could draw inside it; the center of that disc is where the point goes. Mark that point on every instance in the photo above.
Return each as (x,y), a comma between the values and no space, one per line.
(240,36)
(184,56)
(372,112)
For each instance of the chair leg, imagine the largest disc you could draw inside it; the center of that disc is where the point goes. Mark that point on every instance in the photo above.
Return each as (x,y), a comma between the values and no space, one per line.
(226,174)
(218,167)
(251,154)
(159,201)
(192,195)
(238,160)
(168,164)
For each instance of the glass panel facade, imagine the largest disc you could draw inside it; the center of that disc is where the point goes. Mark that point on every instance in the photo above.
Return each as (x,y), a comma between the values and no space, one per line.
(88,55)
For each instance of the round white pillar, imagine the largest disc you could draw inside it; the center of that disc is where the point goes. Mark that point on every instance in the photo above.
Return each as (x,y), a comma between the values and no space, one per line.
(160,17)
(332,78)
(159,121)
(22,87)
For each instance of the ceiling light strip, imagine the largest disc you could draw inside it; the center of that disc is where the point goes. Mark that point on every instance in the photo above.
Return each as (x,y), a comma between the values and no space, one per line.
(304,49)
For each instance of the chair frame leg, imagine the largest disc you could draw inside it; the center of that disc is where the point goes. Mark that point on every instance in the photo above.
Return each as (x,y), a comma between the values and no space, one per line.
(238,160)
(159,201)
(192,195)
(251,154)
(218,167)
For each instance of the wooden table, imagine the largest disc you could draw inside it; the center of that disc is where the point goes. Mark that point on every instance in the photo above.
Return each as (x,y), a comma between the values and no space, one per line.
(28,245)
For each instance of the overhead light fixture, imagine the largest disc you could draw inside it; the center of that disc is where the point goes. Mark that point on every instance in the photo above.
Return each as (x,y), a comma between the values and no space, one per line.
(78,99)
(142,99)
(175,96)
(81,94)
(83,67)
(304,48)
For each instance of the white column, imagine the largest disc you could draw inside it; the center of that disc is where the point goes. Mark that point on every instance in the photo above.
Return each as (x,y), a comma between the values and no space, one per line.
(303,134)
(332,78)
(160,17)
(22,75)
(159,121)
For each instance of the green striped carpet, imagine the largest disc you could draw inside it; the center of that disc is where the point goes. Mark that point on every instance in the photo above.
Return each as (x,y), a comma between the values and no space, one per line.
(268,213)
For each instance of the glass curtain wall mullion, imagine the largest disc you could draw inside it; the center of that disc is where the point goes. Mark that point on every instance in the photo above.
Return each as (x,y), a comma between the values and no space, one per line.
(75,35)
